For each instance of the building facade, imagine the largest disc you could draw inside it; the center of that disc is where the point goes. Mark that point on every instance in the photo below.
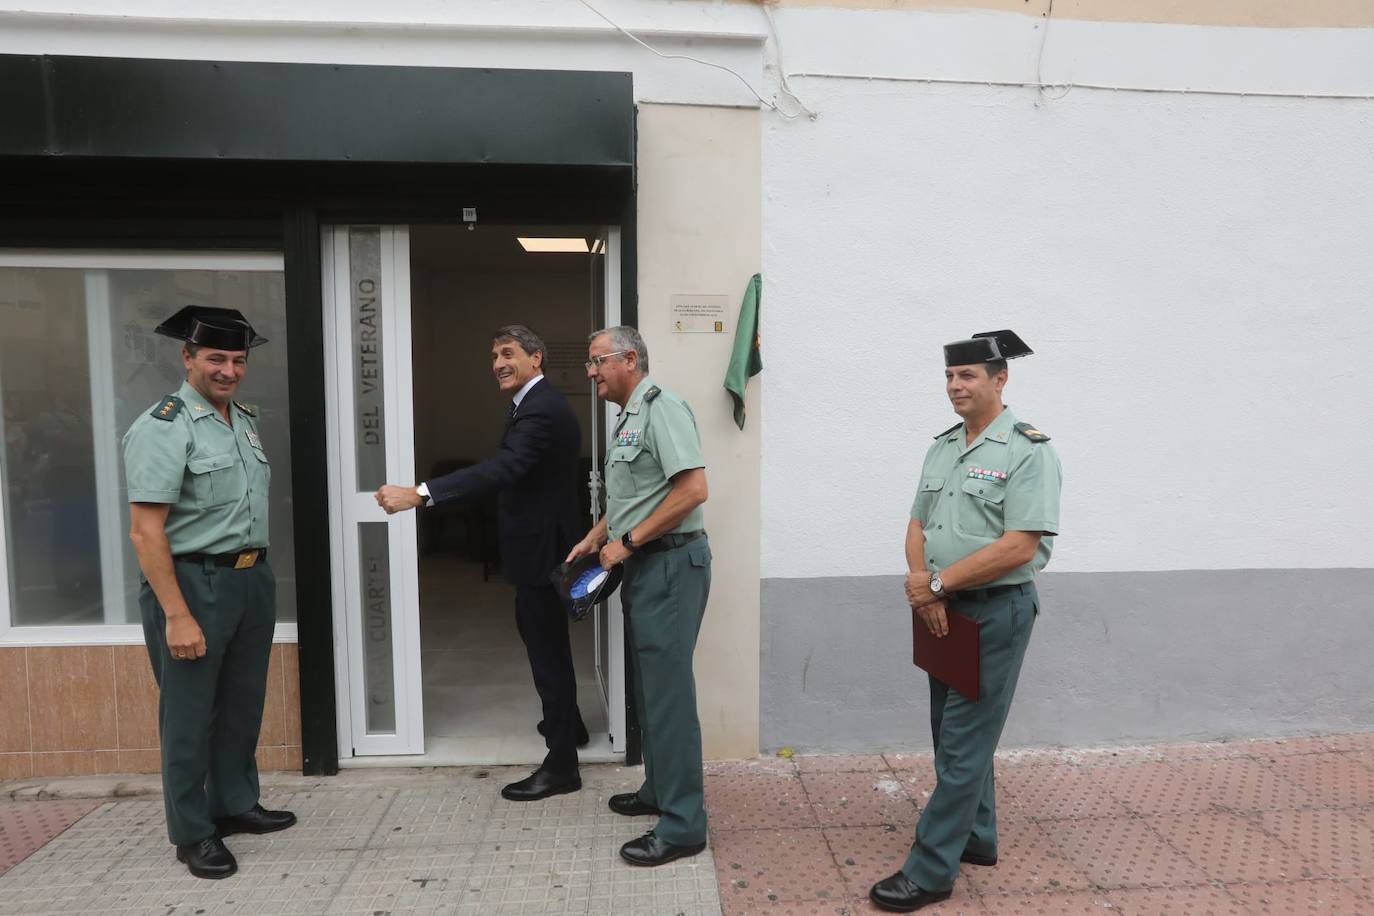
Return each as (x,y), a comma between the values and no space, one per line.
(1172,204)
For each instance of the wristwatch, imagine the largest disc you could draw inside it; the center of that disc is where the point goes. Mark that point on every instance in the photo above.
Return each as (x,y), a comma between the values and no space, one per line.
(937,587)
(629,542)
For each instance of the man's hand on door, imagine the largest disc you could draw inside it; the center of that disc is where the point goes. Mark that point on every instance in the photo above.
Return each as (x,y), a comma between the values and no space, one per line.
(398,499)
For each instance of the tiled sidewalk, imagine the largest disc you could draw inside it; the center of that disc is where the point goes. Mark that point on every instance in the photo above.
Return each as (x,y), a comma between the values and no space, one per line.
(1271,827)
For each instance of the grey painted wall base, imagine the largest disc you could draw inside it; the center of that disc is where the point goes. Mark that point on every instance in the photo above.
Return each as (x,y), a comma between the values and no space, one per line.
(1115,658)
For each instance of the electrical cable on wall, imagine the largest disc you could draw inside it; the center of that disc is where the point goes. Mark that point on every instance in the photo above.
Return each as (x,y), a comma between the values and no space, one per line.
(770,105)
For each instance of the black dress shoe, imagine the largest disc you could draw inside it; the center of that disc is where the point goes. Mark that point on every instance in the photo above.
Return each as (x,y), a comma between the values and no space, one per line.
(899,894)
(541,784)
(628,804)
(650,849)
(208,859)
(974,858)
(583,739)
(256,819)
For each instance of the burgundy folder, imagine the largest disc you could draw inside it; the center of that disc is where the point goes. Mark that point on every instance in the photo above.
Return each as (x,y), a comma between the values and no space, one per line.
(952,658)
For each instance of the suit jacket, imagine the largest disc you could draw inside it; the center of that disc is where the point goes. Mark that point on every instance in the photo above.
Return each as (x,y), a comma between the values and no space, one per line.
(536,471)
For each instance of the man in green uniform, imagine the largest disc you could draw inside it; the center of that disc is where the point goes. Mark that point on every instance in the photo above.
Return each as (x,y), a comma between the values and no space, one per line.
(197,476)
(655,486)
(982,526)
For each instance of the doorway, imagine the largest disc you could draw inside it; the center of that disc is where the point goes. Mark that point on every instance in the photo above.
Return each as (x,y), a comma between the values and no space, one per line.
(435,672)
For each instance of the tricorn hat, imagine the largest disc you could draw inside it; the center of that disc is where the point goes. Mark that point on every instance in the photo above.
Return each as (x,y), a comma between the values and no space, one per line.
(583,582)
(985,348)
(216,328)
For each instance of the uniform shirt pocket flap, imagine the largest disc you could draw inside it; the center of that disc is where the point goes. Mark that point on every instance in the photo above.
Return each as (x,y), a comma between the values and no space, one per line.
(932,483)
(625,452)
(985,490)
(212,463)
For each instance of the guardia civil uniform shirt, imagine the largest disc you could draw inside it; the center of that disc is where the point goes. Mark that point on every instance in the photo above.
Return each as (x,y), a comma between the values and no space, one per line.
(655,438)
(214,475)
(1007,479)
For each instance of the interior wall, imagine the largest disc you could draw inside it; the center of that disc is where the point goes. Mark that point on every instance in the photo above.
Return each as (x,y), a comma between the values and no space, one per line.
(455,307)
(699,212)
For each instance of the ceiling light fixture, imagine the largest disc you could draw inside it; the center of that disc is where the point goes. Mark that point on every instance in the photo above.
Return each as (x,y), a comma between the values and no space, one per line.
(565,245)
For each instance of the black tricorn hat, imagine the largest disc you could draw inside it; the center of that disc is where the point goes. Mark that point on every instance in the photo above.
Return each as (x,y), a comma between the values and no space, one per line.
(216,328)
(582,583)
(985,348)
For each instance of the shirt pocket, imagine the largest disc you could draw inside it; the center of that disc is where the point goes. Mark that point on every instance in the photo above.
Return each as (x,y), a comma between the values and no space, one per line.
(981,514)
(620,480)
(216,480)
(926,496)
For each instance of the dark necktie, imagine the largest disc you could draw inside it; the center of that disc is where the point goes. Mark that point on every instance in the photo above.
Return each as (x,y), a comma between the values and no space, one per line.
(510,414)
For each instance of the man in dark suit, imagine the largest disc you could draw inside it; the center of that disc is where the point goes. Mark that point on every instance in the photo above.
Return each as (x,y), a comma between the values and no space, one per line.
(536,472)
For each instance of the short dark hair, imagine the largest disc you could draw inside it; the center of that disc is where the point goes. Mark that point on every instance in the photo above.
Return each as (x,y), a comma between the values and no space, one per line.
(527,339)
(191,349)
(995,366)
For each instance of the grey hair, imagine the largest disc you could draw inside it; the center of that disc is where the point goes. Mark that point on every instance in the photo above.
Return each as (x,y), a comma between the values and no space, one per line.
(527,339)
(624,337)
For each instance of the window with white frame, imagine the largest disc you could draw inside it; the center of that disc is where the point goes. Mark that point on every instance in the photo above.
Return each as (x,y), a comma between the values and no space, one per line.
(78,362)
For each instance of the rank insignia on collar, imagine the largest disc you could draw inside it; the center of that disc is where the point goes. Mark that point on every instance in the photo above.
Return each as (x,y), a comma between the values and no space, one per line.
(200,408)
(253,439)
(249,409)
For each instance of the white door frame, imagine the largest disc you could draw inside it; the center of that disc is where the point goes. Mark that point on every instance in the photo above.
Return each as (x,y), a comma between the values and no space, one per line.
(610,672)
(352,506)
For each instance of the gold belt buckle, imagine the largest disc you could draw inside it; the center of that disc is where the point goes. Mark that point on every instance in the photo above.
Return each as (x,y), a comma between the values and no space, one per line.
(247,559)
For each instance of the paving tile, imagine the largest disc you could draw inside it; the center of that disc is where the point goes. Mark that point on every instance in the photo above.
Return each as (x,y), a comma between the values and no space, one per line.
(1362,888)
(1339,845)
(761,766)
(1122,852)
(858,799)
(1231,848)
(1340,779)
(760,868)
(27,826)
(868,854)
(922,761)
(1073,903)
(1028,860)
(739,800)
(1235,784)
(1355,741)
(1206,900)
(962,902)
(865,763)
(333,819)
(1298,898)
(1050,793)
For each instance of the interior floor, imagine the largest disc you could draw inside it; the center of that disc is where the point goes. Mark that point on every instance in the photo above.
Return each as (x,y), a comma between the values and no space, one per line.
(480,706)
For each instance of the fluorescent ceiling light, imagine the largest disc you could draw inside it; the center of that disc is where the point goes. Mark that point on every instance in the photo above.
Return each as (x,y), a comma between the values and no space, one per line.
(577,245)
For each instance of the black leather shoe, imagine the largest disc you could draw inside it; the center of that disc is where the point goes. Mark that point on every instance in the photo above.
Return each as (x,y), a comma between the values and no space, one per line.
(628,804)
(583,739)
(974,858)
(899,894)
(652,850)
(208,859)
(256,819)
(541,784)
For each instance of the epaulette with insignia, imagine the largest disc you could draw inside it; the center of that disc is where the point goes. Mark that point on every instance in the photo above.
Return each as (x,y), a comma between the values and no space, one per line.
(948,431)
(1031,433)
(250,409)
(169,408)
(653,392)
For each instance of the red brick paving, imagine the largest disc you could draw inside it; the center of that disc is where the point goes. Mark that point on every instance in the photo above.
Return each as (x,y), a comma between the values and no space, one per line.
(25,826)
(1223,829)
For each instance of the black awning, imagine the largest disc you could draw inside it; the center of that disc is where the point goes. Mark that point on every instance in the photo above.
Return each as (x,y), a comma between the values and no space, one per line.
(223,110)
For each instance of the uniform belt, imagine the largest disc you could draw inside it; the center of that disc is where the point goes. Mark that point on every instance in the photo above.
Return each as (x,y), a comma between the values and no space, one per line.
(669,541)
(981,594)
(239,559)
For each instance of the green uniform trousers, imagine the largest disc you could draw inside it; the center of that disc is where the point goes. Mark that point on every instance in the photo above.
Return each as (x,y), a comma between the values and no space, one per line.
(664,596)
(210,708)
(962,811)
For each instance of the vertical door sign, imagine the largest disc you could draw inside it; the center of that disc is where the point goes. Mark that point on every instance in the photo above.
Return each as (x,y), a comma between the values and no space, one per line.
(365,263)
(694,314)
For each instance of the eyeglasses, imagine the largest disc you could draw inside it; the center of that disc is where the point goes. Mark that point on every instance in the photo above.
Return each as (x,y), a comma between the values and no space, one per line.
(596,361)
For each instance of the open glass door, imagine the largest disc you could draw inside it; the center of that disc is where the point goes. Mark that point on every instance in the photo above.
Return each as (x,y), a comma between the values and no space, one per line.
(610,625)
(366,286)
